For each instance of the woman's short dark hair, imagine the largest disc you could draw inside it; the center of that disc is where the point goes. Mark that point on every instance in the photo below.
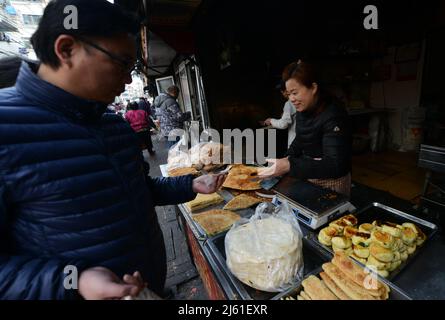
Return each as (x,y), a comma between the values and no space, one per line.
(307,74)
(96,18)
(302,71)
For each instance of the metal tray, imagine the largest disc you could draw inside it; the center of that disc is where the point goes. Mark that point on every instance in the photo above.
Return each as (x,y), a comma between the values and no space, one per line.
(313,259)
(395,294)
(197,230)
(377,211)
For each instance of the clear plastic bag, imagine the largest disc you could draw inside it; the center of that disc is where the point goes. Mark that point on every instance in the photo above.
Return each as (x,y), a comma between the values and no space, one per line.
(178,156)
(207,153)
(266,251)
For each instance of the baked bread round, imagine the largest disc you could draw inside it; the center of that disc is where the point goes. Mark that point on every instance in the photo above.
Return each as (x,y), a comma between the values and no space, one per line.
(366,227)
(341,242)
(361,260)
(382,238)
(380,265)
(411,249)
(360,251)
(362,238)
(347,251)
(381,253)
(394,265)
(394,231)
(408,236)
(410,225)
(350,231)
(404,256)
(326,234)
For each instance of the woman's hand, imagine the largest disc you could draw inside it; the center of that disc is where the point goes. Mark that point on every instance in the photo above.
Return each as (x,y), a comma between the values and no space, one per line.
(278,168)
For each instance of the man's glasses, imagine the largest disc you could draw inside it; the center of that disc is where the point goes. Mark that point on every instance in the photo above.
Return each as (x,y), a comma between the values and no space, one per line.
(126,65)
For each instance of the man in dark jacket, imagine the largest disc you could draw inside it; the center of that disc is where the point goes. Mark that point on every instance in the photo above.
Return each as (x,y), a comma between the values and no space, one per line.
(75,197)
(169,114)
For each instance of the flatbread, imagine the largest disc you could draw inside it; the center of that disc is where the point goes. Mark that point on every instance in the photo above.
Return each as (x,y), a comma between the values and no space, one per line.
(317,289)
(203,201)
(251,193)
(182,172)
(333,287)
(241,201)
(348,286)
(355,273)
(216,221)
(240,176)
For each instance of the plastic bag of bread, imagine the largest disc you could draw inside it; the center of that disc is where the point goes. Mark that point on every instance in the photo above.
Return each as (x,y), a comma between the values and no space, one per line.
(208,154)
(178,156)
(265,251)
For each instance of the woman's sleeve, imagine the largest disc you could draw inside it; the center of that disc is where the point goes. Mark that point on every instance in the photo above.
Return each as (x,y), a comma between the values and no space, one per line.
(336,159)
(285,121)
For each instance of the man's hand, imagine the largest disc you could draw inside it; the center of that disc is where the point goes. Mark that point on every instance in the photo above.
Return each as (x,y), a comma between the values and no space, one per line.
(135,279)
(278,168)
(209,183)
(100,283)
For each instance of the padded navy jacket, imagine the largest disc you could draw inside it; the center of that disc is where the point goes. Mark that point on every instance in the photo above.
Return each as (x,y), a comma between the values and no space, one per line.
(73,191)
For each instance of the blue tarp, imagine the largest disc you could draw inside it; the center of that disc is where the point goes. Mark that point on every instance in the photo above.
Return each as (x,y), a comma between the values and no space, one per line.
(10,10)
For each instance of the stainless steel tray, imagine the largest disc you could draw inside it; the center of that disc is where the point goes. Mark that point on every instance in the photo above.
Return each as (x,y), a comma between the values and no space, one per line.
(312,255)
(197,230)
(378,211)
(395,294)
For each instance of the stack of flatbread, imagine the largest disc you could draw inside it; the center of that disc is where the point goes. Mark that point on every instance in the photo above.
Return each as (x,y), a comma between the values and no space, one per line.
(216,221)
(240,178)
(241,201)
(342,279)
(265,254)
(203,201)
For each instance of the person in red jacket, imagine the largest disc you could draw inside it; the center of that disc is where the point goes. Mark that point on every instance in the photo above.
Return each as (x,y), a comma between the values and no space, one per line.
(141,123)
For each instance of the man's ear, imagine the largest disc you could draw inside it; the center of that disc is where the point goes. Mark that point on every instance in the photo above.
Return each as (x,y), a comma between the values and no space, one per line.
(65,47)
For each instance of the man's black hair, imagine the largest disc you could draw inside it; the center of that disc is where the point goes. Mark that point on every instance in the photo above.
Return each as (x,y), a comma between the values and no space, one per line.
(96,18)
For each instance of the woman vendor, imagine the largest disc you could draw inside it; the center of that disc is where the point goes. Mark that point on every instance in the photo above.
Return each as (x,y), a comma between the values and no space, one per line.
(321,150)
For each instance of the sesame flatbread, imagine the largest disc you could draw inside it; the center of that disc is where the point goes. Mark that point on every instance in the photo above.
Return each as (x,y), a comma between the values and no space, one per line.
(216,221)
(203,201)
(182,172)
(240,178)
(241,201)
